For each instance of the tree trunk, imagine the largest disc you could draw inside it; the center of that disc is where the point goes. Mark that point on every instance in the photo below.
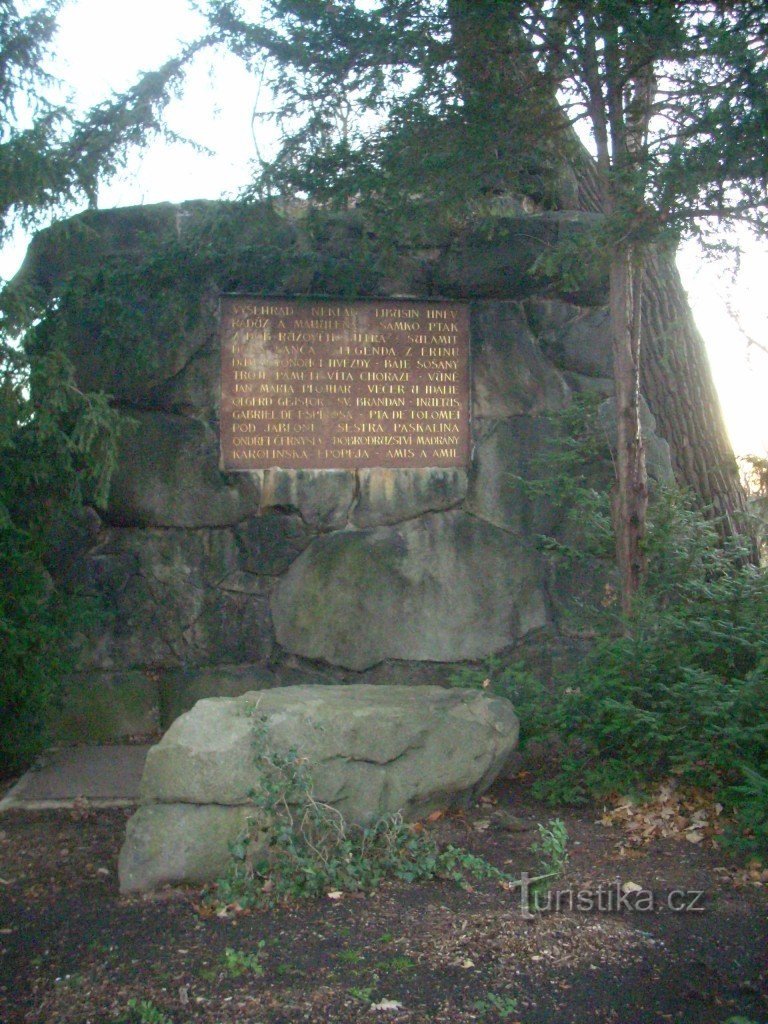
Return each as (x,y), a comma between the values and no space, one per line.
(631,495)
(677,383)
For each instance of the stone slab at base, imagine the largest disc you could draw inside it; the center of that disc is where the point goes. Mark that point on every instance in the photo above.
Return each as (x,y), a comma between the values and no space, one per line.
(106,776)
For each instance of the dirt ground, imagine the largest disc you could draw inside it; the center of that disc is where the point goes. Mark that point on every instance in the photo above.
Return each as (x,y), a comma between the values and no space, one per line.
(73,950)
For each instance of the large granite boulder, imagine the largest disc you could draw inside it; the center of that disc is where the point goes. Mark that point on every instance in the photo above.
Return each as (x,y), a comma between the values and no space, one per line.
(510,375)
(394,495)
(574,338)
(373,751)
(322,498)
(444,587)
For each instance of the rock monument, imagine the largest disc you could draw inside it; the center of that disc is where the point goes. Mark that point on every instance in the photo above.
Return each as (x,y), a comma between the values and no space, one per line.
(219,582)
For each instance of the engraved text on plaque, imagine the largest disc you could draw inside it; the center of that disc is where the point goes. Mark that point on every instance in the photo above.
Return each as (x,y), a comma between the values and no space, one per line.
(310,384)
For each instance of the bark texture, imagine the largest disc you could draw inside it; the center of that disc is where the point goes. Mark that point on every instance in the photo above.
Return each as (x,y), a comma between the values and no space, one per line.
(677,381)
(631,495)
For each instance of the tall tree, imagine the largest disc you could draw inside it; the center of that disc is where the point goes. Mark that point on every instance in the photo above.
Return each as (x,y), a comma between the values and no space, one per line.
(51,156)
(674,96)
(55,441)
(456,99)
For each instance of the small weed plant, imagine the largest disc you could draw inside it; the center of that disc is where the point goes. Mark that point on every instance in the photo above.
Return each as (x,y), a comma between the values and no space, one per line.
(495,1005)
(298,847)
(144,1011)
(362,995)
(238,962)
(552,848)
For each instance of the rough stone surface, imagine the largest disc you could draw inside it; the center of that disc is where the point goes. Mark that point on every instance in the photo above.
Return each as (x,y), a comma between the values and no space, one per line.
(105,774)
(510,456)
(90,238)
(373,750)
(134,351)
(582,385)
(168,475)
(180,690)
(169,605)
(510,374)
(195,390)
(167,843)
(407,673)
(216,582)
(572,337)
(445,587)
(392,495)
(323,498)
(270,542)
(103,706)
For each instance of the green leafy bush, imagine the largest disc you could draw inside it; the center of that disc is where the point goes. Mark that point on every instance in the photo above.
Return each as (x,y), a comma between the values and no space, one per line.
(682,687)
(679,687)
(37,625)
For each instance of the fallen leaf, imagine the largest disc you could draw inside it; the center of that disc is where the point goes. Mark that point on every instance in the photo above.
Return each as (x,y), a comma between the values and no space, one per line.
(335,895)
(631,887)
(387,1004)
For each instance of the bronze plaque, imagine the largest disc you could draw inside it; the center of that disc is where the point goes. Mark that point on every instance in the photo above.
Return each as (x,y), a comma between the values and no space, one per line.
(311,384)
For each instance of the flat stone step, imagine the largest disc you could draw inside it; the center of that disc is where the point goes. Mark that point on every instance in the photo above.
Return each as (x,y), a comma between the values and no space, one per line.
(105,776)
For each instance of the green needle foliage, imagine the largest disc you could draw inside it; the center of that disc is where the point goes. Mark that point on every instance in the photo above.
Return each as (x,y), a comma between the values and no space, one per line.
(56,446)
(52,156)
(57,441)
(682,687)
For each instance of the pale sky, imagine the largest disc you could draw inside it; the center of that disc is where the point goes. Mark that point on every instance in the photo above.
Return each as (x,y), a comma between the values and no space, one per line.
(103,43)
